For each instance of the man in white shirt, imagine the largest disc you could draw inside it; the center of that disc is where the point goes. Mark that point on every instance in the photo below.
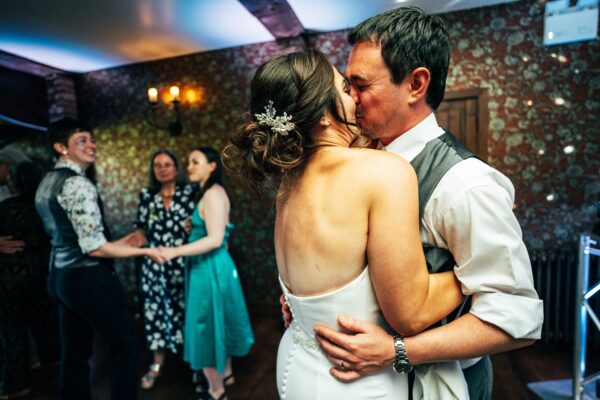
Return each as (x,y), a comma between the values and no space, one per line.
(397,68)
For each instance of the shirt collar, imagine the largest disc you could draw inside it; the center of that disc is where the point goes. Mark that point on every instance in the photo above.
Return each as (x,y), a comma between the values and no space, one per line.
(413,141)
(71,165)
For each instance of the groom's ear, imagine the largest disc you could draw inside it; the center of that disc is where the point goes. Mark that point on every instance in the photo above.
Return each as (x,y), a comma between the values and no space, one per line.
(324,121)
(419,83)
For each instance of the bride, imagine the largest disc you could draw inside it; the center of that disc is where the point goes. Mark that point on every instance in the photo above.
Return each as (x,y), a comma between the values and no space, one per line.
(346,229)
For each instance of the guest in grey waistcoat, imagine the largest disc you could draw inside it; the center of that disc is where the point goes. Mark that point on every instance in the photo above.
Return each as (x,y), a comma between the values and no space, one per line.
(82,279)
(397,69)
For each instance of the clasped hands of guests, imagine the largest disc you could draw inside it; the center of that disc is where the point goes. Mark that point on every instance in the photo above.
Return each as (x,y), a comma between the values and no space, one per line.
(159,255)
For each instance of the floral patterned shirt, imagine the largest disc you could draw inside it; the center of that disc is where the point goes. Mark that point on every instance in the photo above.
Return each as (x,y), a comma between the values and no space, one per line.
(79,199)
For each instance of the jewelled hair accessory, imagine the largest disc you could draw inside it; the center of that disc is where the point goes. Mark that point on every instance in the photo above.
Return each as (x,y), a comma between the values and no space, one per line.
(279,124)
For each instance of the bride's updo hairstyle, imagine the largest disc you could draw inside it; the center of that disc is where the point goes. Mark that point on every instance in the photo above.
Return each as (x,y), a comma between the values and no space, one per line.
(288,96)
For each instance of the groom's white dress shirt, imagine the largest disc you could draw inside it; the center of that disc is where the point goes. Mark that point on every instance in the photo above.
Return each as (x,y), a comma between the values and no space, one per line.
(470,214)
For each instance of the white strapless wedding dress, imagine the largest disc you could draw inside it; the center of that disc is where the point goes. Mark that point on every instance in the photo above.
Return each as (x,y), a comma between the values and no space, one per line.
(303,370)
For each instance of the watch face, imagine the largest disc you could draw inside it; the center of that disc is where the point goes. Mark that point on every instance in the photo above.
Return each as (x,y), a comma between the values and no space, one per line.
(402,368)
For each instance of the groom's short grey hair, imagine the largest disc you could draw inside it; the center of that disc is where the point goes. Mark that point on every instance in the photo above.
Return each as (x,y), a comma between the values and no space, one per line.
(409,39)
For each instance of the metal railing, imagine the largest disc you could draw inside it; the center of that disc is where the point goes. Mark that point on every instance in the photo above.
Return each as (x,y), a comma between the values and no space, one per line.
(588,246)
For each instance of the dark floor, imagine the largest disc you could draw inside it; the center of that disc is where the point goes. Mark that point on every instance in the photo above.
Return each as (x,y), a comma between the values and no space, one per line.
(255,374)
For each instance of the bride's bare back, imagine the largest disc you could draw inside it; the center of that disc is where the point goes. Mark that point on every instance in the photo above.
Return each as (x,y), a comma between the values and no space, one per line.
(322,224)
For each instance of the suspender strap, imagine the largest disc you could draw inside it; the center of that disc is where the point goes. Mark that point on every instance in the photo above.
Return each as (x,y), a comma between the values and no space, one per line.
(431,164)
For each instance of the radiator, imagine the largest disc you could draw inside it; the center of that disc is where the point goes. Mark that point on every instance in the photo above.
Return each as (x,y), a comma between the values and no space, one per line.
(554,278)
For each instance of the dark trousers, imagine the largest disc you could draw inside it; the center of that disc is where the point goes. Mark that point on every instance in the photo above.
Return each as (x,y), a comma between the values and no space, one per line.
(91,298)
(479,379)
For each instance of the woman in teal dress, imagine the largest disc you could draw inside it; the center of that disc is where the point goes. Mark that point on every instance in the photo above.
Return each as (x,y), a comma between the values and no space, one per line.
(217,325)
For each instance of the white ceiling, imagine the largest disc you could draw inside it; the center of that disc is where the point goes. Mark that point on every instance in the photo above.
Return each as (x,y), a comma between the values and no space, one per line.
(87,35)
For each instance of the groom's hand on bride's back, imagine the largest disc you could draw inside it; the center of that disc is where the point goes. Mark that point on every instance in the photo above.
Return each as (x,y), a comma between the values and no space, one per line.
(285,311)
(365,349)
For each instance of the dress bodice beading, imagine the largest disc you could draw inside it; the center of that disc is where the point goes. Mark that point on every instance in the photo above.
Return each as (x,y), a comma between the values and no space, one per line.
(356,299)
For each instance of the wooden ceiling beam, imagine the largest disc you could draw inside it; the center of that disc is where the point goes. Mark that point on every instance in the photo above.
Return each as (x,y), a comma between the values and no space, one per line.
(277,16)
(18,63)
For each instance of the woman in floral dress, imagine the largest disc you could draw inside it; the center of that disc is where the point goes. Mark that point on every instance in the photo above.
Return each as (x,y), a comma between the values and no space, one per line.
(162,211)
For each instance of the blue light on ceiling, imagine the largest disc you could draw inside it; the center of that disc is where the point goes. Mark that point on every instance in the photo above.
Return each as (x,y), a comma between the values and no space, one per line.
(57,54)
(334,15)
(221,24)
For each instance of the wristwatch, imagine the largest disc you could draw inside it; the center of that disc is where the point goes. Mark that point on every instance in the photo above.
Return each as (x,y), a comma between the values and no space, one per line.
(401,364)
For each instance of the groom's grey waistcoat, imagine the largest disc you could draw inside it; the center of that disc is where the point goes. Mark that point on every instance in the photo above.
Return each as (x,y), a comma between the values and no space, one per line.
(431,164)
(438,156)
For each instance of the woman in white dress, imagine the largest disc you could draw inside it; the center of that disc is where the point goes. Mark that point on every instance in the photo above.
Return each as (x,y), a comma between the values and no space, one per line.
(339,208)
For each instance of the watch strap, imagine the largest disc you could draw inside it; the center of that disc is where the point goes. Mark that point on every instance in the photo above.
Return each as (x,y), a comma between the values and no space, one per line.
(401,364)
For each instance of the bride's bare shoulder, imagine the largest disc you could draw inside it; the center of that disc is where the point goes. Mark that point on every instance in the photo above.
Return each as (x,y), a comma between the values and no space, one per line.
(378,163)
(363,166)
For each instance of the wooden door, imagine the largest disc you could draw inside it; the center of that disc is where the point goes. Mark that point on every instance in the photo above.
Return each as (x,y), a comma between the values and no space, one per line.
(464,113)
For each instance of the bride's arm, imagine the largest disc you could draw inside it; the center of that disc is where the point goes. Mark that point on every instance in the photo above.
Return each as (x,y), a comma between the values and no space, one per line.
(443,297)
(411,299)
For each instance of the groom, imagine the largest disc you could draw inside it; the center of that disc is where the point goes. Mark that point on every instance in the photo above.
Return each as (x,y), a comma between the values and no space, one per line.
(398,67)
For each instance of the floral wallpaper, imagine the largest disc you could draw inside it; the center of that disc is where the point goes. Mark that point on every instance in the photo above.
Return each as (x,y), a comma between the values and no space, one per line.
(543,107)
(114,102)
(540,101)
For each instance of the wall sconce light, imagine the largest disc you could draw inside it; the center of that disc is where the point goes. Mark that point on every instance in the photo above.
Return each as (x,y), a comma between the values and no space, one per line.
(174,126)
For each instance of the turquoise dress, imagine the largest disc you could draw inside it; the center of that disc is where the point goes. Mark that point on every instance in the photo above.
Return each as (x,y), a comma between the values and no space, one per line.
(216,319)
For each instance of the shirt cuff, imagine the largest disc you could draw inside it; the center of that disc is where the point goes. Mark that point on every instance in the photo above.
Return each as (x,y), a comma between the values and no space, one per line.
(519,316)
(92,243)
